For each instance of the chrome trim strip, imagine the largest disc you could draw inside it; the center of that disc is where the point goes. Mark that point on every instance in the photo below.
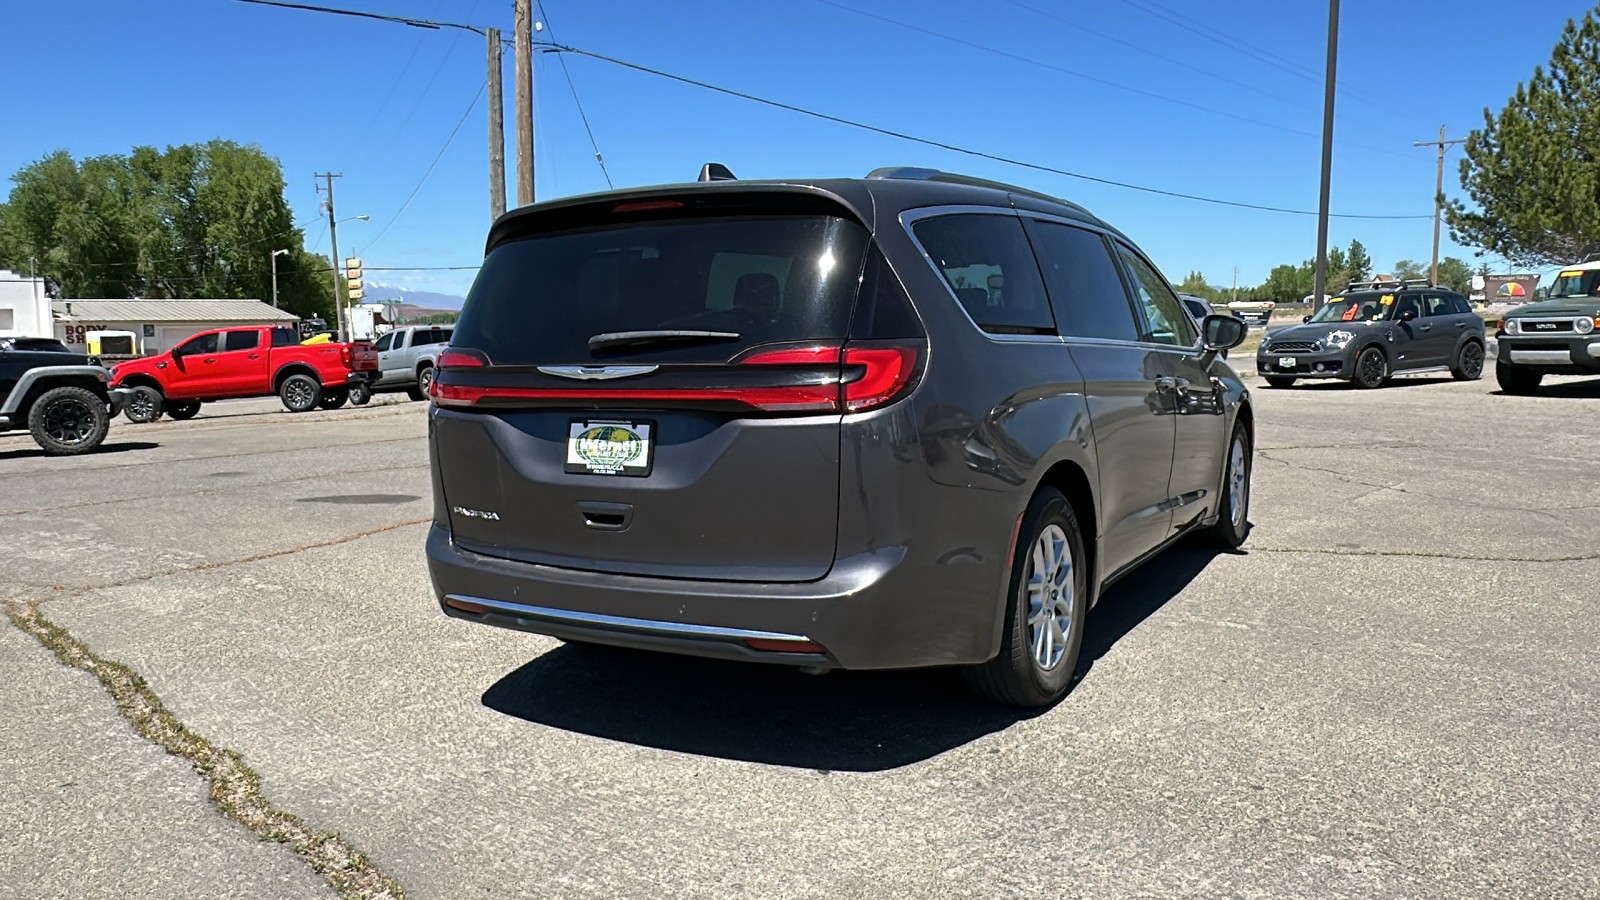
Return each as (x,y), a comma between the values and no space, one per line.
(1554,357)
(591,373)
(624,623)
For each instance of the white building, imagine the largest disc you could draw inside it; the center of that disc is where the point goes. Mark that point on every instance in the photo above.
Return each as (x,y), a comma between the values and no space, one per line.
(158,325)
(24,307)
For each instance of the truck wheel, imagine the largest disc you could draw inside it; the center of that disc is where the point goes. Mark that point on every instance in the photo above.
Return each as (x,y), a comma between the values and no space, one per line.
(144,406)
(184,411)
(334,399)
(360,393)
(68,420)
(1469,362)
(1517,380)
(300,393)
(424,381)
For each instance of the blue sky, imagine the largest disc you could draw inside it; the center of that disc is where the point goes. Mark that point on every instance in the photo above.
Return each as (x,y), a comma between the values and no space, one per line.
(1150,102)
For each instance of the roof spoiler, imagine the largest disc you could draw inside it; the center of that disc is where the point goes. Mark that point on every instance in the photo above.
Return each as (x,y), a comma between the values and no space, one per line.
(716,172)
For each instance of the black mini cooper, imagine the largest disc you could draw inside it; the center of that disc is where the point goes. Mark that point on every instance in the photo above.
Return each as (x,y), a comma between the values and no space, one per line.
(1377,330)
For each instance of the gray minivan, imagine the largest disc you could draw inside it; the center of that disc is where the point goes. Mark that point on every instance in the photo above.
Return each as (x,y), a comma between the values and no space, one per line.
(913,419)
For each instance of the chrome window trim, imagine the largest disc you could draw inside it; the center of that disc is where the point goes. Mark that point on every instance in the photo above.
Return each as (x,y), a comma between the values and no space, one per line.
(910,217)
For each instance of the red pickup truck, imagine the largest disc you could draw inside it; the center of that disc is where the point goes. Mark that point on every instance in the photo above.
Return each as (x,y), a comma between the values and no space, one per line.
(251,361)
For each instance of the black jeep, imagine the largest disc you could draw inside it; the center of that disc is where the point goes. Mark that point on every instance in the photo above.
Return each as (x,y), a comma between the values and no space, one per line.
(1374,331)
(62,397)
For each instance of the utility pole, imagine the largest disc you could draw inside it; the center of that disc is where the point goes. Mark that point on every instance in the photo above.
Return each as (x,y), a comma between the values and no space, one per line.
(1320,283)
(523,24)
(1236,284)
(1438,195)
(333,254)
(497,131)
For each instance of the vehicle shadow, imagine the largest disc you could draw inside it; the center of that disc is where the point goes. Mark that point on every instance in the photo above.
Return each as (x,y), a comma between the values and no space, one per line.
(775,715)
(1588,389)
(122,447)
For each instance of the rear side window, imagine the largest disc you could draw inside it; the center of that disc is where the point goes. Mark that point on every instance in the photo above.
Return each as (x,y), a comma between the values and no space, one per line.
(1085,287)
(384,342)
(240,340)
(1459,305)
(988,263)
(284,337)
(1165,321)
(751,280)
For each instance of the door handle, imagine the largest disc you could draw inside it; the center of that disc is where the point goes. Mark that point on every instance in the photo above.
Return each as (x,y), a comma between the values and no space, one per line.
(606,516)
(210,361)
(1426,328)
(1166,383)
(1461,324)
(255,356)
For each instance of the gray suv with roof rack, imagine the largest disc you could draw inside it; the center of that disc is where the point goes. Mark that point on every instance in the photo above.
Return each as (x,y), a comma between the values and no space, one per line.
(913,419)
(1374,331)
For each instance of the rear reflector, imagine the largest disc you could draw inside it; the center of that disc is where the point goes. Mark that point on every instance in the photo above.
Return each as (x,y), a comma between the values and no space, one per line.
(466,606)
(771,645)
(461,359)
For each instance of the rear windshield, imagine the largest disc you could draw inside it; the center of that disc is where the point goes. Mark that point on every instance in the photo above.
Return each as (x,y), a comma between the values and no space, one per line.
(766,279)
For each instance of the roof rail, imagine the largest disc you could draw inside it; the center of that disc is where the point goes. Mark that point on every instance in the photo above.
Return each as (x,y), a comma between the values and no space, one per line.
(1389,283)
(918,173)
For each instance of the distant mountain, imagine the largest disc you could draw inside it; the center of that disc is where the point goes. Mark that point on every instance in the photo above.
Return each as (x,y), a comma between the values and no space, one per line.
(379,292)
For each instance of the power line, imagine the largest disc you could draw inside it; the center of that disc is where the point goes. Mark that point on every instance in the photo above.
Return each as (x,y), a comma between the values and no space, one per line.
(576,102)
(424,180)
(929,142)
(399,20)
(419,95)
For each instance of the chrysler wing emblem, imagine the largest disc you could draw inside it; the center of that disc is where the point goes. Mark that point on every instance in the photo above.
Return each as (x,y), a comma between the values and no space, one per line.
(593,373)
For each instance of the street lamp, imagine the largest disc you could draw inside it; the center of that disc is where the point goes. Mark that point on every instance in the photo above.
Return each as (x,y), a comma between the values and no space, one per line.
(274,258)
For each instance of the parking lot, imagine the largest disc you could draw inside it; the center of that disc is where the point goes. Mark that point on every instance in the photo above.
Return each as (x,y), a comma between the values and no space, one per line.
(1394,690)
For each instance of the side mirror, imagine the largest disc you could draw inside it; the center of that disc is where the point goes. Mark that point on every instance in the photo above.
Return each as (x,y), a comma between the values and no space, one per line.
(1222,333)
(1408,315)
(1305,319)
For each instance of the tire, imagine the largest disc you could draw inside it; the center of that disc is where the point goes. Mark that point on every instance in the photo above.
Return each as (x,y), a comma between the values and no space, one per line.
(1517,380)
(144,406)
(1026,672)
(1233,516)
(334,399)
(185,410)
(1371,369)
(424,382)
(1469,362)
(66,421)
(300,393)
(360,393)
(1280,381)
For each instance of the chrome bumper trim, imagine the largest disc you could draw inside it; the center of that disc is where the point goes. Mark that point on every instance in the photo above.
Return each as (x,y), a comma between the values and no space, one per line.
(1542,357)
(623,623)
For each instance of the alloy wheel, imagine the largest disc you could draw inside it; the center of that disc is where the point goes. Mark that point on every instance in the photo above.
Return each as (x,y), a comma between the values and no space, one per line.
(1238,484)
(1472,360)
(69,422)
(300,395)
(1050,594)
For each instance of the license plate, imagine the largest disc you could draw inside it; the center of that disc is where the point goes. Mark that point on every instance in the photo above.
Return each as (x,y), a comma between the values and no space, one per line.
(1286,362)
(605,447)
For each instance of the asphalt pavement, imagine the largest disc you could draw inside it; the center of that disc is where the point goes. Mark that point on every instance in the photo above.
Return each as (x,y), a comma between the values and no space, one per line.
(1394,689)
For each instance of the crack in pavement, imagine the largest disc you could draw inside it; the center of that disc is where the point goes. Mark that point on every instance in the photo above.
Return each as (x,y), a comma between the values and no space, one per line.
(1424,554)
(1546,511)
(227,563)
(184,459)
(235,788)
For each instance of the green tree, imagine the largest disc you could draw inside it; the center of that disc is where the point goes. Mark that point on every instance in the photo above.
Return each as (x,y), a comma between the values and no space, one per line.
(1456,275)
(1406,270)
(1196,284)
(1534,170)
(1357,262)
(1287,284)
(67,222)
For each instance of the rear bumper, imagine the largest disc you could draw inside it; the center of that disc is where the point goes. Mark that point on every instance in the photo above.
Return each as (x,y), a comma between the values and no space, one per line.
(863,614)
(368,377)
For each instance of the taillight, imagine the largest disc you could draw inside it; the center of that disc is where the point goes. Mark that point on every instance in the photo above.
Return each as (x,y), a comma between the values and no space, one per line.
(646,205)
(344,355)
(852,379)
(461,359)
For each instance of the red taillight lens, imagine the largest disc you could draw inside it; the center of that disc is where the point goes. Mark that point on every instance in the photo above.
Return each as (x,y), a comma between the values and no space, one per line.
(344,355)
(646,206)
(888,371)
(461,359)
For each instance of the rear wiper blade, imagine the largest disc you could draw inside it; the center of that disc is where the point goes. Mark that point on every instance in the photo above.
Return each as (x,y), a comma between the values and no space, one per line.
(641,338)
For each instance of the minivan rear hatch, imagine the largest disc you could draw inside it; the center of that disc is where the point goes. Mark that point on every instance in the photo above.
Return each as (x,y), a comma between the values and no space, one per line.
(655,386)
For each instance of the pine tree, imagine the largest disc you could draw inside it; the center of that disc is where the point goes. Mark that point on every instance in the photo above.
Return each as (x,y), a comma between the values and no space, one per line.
(1534,170)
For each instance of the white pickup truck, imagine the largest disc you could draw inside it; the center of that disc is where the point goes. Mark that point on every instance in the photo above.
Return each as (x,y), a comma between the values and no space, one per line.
(405,358)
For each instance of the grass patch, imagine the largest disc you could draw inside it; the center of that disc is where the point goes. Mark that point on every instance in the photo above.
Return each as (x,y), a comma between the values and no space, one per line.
(235,787)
